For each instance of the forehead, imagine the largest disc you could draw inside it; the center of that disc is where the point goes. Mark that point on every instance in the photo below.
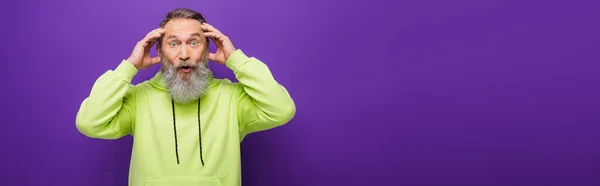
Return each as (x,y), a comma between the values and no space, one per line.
(182,27)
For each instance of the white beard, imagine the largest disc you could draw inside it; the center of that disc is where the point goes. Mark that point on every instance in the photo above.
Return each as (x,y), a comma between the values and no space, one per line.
(186,87)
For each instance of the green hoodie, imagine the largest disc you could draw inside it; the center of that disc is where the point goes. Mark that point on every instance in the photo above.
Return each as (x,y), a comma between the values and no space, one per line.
(185,144)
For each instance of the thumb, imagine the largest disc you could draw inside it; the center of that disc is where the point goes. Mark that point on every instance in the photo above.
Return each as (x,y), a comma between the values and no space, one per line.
(155,60)
(212,56)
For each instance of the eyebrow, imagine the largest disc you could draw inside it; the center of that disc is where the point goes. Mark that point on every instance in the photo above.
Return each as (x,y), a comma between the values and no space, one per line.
(191,35)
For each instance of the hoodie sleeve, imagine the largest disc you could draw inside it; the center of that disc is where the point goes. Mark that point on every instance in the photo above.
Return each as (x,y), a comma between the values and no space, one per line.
(262,102)
(109,111)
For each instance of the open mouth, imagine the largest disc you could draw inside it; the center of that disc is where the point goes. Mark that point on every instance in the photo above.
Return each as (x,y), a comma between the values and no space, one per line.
(185,68)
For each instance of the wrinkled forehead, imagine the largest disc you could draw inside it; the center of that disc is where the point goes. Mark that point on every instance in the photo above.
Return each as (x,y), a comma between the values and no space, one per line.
(182,28)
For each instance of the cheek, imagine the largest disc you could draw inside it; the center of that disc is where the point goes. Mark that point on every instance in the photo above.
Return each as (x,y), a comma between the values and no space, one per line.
(169,55)
(199,54)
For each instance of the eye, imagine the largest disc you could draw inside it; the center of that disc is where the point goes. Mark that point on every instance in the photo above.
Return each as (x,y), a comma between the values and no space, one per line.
(194,43)
(173,44)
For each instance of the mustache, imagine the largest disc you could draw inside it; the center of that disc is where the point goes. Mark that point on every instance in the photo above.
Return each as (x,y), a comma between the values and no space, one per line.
(180,64)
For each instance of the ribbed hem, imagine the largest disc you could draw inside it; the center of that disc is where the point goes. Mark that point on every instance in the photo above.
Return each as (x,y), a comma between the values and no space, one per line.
(126,70)
(236,60)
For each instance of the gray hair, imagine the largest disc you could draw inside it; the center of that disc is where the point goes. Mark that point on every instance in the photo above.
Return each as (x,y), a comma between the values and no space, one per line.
(183,13)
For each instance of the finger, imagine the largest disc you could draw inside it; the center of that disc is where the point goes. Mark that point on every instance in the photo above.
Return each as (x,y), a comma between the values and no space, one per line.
(213,35)
(150,40)
(209,28)
(146,46)
(218,44)
(155,60)
(149,45)
(219,36)
(212,56)
(153,36)
(216,38)
(158,30)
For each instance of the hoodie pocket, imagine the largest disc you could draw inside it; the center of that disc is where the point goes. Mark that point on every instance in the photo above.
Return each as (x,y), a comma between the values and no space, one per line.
(183,181)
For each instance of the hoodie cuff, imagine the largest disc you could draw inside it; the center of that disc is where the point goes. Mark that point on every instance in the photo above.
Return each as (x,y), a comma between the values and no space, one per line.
(236,60)
(126,70)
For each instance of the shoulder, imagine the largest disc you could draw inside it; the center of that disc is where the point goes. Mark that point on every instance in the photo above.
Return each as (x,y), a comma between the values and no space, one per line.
(141,89)
(223,83)
(225,86)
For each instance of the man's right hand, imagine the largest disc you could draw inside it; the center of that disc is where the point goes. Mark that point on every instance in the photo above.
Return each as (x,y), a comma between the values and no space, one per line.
(140,57)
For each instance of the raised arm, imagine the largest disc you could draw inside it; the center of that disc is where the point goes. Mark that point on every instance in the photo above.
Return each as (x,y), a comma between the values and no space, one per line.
(109,111)
(262,103)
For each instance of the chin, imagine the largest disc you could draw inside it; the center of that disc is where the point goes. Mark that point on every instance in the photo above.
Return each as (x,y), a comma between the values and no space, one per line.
(186,76)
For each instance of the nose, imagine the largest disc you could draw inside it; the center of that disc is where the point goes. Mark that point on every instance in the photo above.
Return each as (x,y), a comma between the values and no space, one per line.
(184,55)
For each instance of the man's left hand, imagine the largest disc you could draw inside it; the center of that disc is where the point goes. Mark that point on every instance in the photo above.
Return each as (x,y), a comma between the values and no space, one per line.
(224,46)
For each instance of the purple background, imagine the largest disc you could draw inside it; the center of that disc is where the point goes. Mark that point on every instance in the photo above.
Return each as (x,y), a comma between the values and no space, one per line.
(429,92)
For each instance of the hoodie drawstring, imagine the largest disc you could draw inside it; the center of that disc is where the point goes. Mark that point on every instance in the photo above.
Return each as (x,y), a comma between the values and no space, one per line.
(175,131)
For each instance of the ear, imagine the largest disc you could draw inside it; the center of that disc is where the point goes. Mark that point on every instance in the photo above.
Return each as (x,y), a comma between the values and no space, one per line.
(159,41)
(158,52)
